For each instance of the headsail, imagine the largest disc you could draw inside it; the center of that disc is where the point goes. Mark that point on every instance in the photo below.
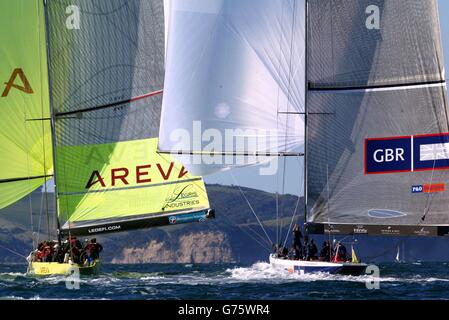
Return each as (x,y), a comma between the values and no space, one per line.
(25,145)
(377,160)
(234,83)
(107,67)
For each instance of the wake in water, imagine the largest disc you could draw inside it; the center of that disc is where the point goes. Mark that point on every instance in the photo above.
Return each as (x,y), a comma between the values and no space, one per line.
(264,272)
(258,281)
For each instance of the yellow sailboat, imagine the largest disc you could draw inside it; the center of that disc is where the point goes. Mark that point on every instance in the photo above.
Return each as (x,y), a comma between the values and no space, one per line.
(91,112)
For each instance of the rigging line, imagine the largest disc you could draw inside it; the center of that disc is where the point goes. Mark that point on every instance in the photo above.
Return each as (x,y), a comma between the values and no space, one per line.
(277,210)
(14,252)
(42,124)
(289,96)
(294,212)
(257,234)
(110,105)
(231,223)
(257,237)
(41,211)
(250,206)
(30,200)
(283,192)
(429,197)
(291,221)
(277,129)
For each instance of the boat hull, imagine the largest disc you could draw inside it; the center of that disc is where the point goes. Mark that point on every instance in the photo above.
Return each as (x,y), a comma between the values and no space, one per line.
(55,268)
(303,267)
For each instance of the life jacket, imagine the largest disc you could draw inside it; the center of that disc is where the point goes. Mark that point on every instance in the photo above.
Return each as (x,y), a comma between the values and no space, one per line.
(90,248)
(39,255)
(46,251)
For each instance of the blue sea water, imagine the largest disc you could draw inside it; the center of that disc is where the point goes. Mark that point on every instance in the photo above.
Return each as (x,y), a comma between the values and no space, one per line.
(259,281)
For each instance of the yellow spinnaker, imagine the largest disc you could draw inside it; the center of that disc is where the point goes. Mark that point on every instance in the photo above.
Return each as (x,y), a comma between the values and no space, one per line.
(25,139)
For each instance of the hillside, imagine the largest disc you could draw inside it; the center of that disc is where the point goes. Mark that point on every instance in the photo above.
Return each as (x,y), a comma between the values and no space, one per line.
(234,236)
(228,238)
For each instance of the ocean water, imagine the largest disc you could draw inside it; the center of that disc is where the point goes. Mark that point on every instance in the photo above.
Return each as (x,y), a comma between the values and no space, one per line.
(259,281)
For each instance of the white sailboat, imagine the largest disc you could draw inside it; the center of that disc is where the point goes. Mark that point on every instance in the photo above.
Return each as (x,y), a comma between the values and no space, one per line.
(333,81)
(400,253)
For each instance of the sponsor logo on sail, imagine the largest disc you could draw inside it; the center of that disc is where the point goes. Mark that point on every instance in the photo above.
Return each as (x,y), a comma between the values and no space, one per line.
(429,188)
(184,196)
(141,174)
(360,230)
(104,229)
(172,220)
(422,232)
(407,153)
(186,218)
(390,231)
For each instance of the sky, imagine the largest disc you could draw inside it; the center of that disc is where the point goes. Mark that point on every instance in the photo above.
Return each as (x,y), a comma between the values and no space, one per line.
(249,177)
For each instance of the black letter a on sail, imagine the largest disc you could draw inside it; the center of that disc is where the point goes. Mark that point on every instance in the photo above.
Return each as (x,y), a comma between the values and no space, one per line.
(91,182)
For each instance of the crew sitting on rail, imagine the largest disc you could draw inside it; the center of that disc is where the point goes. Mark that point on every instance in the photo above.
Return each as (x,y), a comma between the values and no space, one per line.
(70,249)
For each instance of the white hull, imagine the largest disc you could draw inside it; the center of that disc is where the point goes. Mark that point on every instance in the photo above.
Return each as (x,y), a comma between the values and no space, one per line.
(302,267)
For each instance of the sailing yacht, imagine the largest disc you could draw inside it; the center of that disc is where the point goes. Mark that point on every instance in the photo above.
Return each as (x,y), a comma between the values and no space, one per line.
(355,88)
(87,114)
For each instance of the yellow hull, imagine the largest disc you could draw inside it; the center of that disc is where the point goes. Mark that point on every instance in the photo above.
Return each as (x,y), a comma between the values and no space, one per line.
(55,268)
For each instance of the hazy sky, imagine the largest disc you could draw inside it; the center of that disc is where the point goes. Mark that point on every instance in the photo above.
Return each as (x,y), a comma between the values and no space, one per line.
(294,182)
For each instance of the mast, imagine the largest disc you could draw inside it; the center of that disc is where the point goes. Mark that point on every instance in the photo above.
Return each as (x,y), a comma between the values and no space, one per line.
(306,116)
(52,118)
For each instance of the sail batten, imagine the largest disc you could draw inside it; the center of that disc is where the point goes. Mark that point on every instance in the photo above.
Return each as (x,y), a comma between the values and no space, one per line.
(25,178)
(430,84)
(110,105)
